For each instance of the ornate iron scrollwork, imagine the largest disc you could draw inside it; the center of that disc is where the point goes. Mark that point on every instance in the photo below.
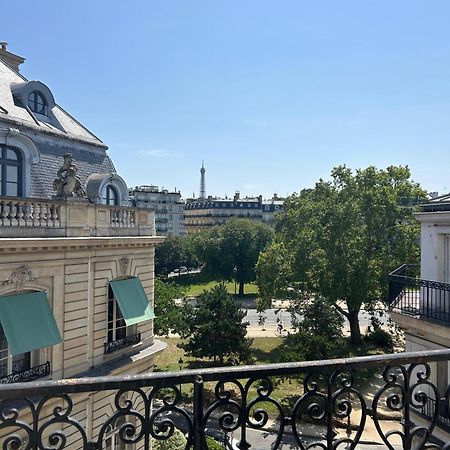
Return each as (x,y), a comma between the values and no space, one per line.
(121,343)
(238,402)
(20,375)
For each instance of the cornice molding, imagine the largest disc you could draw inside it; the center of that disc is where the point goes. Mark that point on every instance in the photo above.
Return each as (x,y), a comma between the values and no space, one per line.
(14,245)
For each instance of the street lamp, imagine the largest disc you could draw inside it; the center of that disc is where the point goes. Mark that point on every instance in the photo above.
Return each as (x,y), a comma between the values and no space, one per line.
(180,364)
(234,274)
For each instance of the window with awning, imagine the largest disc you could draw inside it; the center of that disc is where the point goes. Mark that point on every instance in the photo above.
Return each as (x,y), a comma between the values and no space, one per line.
(132,300)
(28,323)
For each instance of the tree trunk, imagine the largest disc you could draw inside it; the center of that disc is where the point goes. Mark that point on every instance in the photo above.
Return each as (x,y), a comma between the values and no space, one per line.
(355,332)
(241,289)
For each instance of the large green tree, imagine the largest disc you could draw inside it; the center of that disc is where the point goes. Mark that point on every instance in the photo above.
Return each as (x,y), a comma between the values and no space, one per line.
(341,239)
(169,316)
(215,327)
(230,252)
(172,254)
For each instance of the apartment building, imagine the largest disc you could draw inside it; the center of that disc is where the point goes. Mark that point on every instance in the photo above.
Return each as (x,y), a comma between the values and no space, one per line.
(76,263)
(201,214)
(420,304)
(168,206)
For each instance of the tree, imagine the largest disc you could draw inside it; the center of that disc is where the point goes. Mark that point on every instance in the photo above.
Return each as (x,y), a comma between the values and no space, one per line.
(172,254)
(169,318)
(317,331)
(214,327)
(232,250)
(341,239)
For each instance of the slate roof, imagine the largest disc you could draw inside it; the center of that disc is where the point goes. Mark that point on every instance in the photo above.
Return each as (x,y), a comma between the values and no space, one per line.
(441,203)
(90,157)
(18,115)
(43,174)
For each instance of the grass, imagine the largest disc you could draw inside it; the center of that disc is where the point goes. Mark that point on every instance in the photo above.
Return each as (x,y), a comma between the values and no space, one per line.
(265,350)
(196,289)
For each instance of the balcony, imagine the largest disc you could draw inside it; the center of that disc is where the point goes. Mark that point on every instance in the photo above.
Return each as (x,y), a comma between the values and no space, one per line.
(422,299)
(22,375)
(29,217)
(307,405)
(118,344)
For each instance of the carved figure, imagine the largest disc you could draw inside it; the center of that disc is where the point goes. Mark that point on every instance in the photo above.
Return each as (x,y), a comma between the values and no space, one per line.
(67,183)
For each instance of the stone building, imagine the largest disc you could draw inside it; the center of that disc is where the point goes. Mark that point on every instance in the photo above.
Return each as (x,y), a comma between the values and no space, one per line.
(168,207)
(76,263)
(202,214)
(420,302)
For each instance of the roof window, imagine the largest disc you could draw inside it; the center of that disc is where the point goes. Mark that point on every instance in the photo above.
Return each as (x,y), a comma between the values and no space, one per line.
(37,103)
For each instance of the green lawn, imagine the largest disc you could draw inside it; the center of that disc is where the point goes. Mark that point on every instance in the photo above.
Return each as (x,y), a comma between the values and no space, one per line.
(196,289)
(286,390)
(264,351)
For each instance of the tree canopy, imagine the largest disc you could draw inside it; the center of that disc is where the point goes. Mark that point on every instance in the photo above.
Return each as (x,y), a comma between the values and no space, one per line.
(168,314)
(232,250)
(341,239)
(214,327)
(172,254)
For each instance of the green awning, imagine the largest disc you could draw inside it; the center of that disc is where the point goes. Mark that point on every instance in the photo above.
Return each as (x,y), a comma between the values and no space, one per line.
(28,322)
(133,302)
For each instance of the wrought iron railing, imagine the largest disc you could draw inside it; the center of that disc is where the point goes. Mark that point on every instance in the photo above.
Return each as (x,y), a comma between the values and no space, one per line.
(328,405)
(429,407)
(121,343)
(411,295)
(27,374)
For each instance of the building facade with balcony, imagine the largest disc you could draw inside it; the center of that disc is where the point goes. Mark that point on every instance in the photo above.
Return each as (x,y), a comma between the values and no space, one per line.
(76,260)
(202,214)
(168,206)
(420,298)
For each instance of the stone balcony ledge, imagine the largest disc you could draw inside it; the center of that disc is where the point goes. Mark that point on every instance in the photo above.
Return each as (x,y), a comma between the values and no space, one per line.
(33,217)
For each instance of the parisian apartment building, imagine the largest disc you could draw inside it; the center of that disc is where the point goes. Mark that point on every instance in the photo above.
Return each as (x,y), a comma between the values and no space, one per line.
(168,207)
(76,261)
(204,213)
(420,299)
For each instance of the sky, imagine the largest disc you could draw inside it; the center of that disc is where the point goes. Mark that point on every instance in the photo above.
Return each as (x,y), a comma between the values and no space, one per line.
(270,94)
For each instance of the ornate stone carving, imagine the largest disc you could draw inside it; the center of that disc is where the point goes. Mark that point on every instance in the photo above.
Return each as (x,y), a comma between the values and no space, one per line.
(20,276)
(67,183)
(123,266)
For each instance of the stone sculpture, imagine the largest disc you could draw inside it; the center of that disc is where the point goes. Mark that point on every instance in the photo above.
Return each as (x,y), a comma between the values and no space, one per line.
(67,183)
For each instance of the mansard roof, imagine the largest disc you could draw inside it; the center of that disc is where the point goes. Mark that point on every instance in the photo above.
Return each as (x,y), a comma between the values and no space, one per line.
(441,203)
(58,123)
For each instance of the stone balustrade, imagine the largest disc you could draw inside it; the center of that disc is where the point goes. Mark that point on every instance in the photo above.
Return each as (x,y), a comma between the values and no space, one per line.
(27,217)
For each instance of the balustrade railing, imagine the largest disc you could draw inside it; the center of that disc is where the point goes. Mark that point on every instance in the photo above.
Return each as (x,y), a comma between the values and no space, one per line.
(15,212)
(411,295)
(122,217)
(28,217)
(336,404)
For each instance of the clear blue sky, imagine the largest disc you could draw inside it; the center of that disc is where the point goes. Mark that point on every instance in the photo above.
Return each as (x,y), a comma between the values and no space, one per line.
(271,94)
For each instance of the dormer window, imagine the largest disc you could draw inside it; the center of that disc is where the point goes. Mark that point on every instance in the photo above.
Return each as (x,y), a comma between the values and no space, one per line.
(109,196)
(37,103)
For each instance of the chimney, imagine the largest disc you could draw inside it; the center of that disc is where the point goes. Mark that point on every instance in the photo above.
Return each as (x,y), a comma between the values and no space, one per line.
(14,61)
(236,196)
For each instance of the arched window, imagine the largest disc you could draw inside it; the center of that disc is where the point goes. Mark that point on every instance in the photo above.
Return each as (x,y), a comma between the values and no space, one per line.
(37,103)
(109,195)
(10,172)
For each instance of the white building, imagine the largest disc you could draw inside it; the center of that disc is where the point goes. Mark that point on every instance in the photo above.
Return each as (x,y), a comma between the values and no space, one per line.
(168,206)
(420,300)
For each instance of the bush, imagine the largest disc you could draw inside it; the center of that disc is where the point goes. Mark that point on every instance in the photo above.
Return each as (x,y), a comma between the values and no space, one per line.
(303,346)
(380,338)
(213,444)
(176,442)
